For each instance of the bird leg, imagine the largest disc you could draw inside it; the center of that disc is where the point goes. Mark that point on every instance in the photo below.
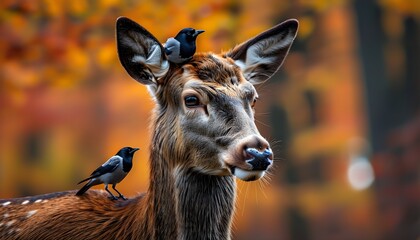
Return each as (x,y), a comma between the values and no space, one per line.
(121,196)
(112,195)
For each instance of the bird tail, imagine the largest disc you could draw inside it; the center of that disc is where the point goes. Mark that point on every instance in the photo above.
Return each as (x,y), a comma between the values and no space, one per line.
(84,180)
(84,188)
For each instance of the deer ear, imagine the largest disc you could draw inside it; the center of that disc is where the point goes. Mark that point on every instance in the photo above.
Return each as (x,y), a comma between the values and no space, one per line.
(140,52)
(260,57)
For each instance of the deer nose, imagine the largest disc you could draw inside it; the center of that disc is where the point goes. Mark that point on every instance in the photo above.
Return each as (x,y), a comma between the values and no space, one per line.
(260,160)
(257,153)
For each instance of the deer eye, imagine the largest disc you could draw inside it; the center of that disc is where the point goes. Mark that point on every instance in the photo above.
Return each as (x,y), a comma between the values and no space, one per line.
(254,102)
(191,101)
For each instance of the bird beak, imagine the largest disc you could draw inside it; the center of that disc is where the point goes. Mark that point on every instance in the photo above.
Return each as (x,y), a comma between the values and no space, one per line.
(134,150)
(197,32)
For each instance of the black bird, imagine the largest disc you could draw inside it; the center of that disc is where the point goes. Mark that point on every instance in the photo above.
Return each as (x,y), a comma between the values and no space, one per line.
(112,172)
(181,48)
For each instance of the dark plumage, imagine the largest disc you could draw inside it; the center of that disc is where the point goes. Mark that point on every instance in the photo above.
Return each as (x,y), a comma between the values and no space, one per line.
(181,48)
(112,172)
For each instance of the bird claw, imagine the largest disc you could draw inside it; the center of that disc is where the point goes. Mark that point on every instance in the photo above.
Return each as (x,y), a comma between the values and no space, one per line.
(122,196)
(113,198)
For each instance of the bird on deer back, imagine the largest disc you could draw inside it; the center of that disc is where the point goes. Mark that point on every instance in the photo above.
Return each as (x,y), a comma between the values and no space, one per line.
(112,172)
(182,48)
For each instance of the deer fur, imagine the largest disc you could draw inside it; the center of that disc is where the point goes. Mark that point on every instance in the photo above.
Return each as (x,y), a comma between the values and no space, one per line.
(197,148)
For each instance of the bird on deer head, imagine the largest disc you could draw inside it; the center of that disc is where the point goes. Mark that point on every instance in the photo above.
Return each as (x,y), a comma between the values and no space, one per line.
(181,48)
(112,172)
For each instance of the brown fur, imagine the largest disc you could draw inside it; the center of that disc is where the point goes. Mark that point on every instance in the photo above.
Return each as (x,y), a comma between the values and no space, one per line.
(193,151)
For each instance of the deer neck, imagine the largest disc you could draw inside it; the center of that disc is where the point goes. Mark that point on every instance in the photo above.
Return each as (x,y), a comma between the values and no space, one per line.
(161,200)
(205,205)
(191,205)
(186,203)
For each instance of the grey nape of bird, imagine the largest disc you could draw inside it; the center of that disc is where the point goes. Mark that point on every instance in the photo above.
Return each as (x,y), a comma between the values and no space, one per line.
(182,48)
(112,172)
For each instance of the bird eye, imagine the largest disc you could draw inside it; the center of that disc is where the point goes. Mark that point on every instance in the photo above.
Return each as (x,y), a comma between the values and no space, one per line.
(191,101)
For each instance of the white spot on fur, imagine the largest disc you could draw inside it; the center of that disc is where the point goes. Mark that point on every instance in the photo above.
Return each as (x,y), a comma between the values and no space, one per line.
(1,224)
(10,223)
(176,171)
(6,203)
(30,213)
(45,201)
(6,215)
(248,175)
(38,201)
(25,202)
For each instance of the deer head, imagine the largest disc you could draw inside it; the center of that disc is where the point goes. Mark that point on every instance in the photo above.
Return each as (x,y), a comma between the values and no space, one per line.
(207,104)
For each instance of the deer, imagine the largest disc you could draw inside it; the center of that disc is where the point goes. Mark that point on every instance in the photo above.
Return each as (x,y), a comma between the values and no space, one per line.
(204,137)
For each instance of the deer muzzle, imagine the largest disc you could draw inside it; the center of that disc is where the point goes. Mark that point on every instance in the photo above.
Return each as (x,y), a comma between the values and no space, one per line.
(254,158)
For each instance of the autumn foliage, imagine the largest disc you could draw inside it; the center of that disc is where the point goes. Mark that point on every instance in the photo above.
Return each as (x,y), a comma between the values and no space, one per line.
(66,104)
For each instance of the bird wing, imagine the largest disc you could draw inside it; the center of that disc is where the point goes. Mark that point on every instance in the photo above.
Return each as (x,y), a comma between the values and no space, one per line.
(171,45)
(108,167)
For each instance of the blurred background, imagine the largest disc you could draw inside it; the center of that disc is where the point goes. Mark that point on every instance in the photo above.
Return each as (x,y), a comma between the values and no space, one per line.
(343,113)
